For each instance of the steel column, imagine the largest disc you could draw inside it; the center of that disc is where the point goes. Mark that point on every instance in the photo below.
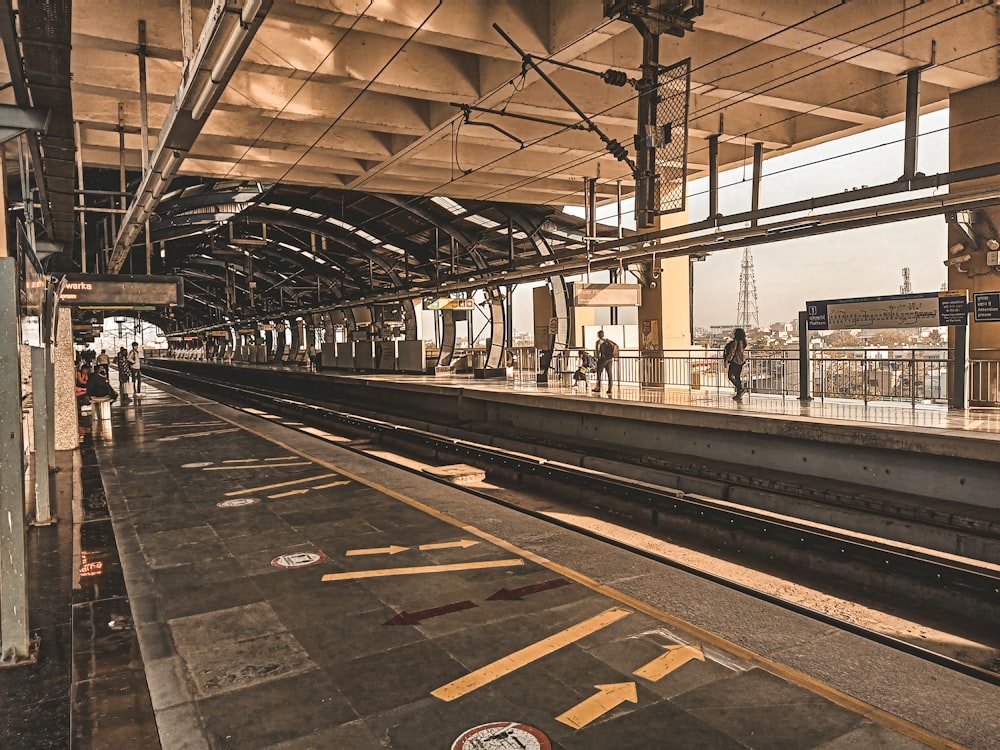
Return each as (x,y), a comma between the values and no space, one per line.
(758,165)
(14,641)
(960,373)
(912,115)
(805,363)
(713,176)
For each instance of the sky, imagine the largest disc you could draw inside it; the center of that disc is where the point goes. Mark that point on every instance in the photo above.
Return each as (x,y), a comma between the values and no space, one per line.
(859,263)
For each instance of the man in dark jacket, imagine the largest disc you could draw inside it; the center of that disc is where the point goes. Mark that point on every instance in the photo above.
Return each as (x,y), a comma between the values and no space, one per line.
(605,353)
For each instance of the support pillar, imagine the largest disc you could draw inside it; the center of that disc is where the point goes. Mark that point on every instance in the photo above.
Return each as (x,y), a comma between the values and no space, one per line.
(42,404)
(14,640)
(972,141)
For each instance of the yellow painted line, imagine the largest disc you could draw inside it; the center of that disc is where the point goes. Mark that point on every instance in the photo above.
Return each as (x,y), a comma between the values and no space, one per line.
(419,569)
(325,435)
(287,494)
(605,699)
(193,435)
(522,657)
(240,460)
(808,682)
(331,484)
(674,658)
(284,458)
(257,466)
(279,484)
(248,410)
(392,549)
(463,543)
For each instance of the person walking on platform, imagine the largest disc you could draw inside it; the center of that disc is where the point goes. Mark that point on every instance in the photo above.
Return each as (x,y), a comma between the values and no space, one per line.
(103,358)
(735,356)
(605,351)
(135,366)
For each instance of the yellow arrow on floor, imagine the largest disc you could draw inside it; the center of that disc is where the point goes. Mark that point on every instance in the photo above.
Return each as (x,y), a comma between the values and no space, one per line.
(463,543)
(288,494)
(664,664)
(512,662)
(605,699)
(390,550)
(280,484)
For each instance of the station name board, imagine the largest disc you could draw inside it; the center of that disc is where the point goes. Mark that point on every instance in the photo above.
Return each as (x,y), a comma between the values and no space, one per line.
(448,303)
(606,295)
(892,311)
(92,290)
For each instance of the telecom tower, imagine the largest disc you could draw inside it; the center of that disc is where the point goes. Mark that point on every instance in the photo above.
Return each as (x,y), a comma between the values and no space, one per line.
(906,288)
(747,316)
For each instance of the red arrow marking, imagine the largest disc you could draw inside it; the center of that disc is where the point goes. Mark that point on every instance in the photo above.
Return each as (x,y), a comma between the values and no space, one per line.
(515,595)
(412,618)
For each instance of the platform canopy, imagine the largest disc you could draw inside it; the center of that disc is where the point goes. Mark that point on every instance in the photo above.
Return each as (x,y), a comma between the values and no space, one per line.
(313,110)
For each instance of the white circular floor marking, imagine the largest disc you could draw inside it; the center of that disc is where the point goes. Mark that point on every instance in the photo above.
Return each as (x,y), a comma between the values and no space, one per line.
(197,465)
(297,559)
(502,735)
(238,502)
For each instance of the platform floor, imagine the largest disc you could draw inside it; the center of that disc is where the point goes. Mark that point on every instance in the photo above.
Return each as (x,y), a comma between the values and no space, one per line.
(288,593)
(984,420)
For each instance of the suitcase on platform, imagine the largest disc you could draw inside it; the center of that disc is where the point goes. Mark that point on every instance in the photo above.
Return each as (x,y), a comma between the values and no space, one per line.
(128,389)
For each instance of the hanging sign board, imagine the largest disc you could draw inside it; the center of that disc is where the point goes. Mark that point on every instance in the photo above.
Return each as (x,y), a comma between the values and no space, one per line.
(605,295)
(892,311)
(122,291)
(220,334)
(448,303)
(986,307)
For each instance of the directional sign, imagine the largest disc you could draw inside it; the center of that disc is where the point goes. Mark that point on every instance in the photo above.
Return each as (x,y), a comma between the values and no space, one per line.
(448,303)
(605,699)
(513,662)
(412,618)
(675,657)
(463,543)
(390,550)
(121,291)
(280,484)
(516,595)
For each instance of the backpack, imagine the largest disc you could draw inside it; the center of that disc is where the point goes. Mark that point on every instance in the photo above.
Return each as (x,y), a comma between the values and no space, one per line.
(727,353)
(608,349)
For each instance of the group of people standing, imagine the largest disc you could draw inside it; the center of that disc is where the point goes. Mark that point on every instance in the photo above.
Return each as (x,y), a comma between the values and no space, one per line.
(92,377)
(734,357)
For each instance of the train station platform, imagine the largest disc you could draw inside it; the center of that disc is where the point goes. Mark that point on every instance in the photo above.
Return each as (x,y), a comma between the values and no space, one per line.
(289,593)
(941,458)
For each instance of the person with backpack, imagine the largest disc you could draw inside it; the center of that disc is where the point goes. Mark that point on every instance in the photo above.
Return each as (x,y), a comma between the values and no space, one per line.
(605,351)
(735,356)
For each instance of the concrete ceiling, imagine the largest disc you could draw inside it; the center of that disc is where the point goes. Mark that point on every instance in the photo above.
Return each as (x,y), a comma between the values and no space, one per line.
(334,128)
(355,94)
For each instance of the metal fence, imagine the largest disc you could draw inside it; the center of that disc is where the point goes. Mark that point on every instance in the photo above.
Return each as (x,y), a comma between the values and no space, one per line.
(917,375)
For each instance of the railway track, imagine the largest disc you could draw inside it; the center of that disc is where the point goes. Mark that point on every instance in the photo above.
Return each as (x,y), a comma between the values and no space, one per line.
(922,582)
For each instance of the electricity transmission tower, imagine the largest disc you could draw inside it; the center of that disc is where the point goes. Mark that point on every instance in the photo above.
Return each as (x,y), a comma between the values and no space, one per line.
(906,288)
(747,316)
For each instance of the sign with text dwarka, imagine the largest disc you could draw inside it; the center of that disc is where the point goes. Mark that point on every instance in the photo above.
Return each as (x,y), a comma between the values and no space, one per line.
(893,311)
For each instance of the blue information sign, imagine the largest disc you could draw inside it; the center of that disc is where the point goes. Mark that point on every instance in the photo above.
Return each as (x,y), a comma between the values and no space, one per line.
(986,307)
(892,311)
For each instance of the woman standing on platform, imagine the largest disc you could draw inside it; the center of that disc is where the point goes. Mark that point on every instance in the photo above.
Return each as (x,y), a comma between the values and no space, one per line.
(124,371)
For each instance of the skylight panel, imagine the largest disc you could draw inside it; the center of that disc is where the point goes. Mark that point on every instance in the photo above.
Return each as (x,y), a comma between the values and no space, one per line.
(341,224)
(482,221)
(448,204)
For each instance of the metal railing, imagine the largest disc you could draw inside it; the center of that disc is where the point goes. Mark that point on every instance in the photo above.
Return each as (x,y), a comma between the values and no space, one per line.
(913,375)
